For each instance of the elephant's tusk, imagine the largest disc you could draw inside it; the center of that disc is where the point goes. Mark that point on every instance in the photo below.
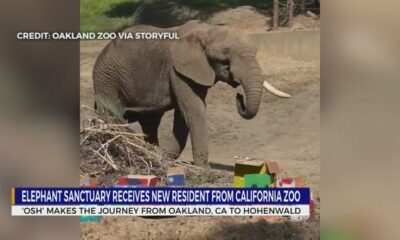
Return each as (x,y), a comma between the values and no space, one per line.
(275,91)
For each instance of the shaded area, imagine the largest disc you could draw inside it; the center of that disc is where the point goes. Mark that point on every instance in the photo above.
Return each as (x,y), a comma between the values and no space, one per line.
(223,4)
(173,13)
(123,9)
(264,230)
(199,228)
(106,15)
(224,167)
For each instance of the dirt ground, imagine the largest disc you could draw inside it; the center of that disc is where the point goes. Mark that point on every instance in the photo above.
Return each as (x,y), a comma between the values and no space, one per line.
(285,130)
(195,228)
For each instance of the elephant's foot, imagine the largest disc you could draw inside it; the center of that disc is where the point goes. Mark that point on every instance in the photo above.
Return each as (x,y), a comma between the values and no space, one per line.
(152,139)
(201,160)
(170,154)
(203,165)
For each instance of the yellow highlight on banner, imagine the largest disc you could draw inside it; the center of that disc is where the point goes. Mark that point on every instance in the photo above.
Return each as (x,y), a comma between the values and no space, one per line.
(12,196)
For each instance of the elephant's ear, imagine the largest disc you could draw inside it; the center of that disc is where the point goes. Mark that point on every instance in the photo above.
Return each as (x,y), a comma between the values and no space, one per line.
(189,59)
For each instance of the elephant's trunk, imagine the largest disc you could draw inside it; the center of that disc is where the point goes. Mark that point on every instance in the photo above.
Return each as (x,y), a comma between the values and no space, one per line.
(253,82)
(253,88)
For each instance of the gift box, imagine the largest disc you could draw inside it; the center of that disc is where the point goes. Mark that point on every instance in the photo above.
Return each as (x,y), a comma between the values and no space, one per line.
(176,176)
(286,183)
(297,182)
(312,215)
(257,180)
(122,186)
(273,170)
(88,181)
(270,219)
(138,180)
(83,219)
(243,167)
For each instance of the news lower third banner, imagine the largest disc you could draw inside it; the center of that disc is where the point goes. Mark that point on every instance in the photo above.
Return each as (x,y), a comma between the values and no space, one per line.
(160,201)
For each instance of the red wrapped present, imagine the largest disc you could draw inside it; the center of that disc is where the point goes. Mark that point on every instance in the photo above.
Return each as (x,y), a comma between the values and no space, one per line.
(297,182)
(138,180)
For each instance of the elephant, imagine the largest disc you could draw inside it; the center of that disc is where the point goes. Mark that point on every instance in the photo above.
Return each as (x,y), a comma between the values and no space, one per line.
(146,78)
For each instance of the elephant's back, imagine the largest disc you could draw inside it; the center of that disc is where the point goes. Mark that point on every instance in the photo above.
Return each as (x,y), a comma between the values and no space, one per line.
(136,70)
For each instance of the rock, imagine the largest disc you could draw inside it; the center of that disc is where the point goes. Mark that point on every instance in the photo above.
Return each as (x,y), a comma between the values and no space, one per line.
(166,13)
(240,15)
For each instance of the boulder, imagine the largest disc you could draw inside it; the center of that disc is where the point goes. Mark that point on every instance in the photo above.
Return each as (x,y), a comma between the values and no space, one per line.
(168,13)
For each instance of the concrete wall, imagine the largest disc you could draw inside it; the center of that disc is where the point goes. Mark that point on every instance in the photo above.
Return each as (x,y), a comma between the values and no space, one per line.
(303,45)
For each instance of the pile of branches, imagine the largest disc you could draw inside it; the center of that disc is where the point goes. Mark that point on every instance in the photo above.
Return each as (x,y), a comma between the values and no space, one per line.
(114,147)
(110,150)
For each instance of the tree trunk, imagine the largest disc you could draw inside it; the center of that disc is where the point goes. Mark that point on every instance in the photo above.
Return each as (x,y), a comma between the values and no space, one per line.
(291,9)
(276,14)
(303,6)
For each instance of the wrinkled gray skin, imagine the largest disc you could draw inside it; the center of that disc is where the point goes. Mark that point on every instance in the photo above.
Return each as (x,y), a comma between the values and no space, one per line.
(146,78)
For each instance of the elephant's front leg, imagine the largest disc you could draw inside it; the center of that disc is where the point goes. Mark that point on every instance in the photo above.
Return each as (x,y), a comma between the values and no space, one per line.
(190,98)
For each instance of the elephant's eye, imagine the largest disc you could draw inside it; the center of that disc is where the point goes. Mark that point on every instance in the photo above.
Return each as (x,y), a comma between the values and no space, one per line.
(226,62)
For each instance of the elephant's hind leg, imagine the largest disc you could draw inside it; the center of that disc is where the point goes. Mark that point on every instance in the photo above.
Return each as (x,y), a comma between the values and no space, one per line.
(150,123)
(176,141)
